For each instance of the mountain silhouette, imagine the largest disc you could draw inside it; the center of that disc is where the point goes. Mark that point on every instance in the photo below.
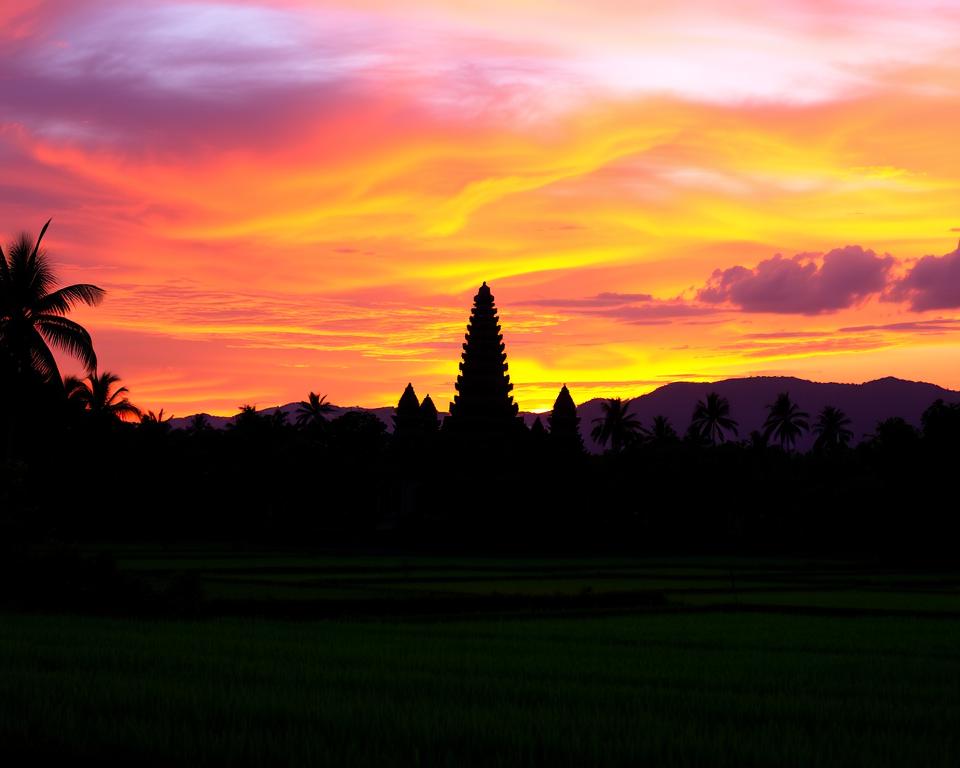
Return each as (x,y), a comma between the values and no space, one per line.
(865,404)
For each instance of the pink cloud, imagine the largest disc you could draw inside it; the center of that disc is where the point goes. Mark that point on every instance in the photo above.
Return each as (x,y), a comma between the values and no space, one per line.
(799,285)
(933,282)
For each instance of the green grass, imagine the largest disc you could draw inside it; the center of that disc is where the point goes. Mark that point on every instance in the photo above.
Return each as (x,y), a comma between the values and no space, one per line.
(681,689)
(272,579)
(863,601)
(736,662)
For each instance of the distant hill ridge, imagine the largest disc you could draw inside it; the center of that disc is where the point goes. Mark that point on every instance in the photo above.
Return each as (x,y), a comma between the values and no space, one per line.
(865,404)
(384,413)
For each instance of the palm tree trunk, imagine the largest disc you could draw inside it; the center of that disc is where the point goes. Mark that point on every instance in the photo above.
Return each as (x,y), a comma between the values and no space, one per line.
(14,406)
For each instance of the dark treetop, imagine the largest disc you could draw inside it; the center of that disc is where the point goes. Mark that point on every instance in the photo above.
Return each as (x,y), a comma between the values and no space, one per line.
(483,402)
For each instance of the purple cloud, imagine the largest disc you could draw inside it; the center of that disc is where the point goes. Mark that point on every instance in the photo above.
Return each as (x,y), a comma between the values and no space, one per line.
(845,277)
(933,282)
(186,77)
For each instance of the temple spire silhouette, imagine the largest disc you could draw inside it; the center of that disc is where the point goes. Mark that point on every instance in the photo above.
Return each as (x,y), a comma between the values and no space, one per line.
(565,423)
(483,402)
(429,416)
(406,417)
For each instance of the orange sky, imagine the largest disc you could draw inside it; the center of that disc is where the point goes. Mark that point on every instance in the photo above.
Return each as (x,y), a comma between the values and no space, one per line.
(290,196)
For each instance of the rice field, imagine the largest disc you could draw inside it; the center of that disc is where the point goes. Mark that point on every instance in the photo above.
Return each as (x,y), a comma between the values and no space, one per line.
(734,663)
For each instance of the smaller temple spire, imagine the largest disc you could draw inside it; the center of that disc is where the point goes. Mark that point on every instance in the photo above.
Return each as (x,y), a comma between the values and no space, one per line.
(409,399)
(565,423)
(538,432)
(406,416)
(429,417)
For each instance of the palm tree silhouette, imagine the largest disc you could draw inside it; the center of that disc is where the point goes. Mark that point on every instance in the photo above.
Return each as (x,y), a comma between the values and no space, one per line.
(313,411)
(33,314)
(155,422)
(662,432)
(711,419)
(832,430)
(154,418)
(616,426)
(248,420)
(97,395)
(785,421)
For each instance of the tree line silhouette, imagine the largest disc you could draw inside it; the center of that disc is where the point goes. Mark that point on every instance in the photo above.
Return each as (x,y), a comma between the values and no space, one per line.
(82,461)
(711,424)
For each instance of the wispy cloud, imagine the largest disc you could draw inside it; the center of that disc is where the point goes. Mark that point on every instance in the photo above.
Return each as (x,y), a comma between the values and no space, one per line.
(938,326)
(600,300)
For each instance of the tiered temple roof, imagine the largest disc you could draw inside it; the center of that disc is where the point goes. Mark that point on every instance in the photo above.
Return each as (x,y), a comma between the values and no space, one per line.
(483,402)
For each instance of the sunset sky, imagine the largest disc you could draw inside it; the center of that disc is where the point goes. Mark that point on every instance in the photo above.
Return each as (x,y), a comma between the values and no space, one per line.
(290,196)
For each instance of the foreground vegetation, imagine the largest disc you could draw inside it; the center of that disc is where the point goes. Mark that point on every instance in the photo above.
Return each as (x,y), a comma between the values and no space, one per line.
(677,689)
(217,656)
(217,581)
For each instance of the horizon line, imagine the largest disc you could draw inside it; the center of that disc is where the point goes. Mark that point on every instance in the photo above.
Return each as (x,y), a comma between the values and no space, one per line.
(357,406)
